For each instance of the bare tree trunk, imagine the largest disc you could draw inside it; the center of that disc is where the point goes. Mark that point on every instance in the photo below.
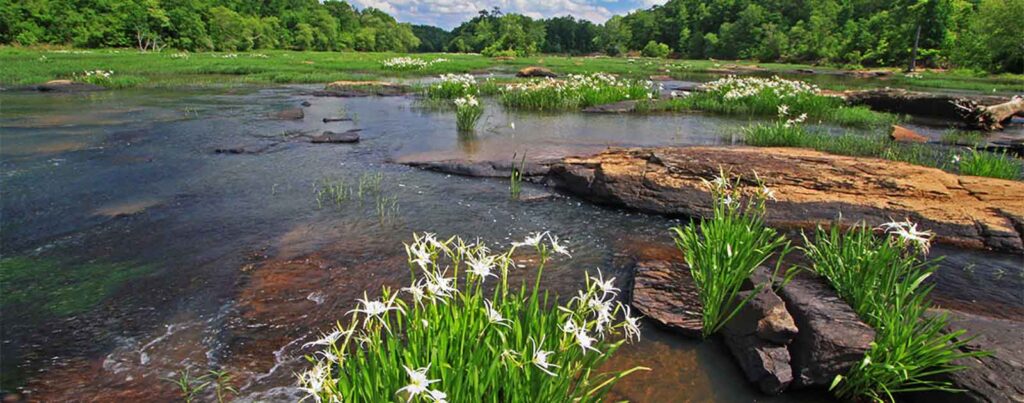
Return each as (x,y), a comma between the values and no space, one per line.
(990,117)
(913,52)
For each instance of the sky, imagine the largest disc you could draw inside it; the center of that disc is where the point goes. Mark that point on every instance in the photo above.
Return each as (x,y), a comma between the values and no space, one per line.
(449,13)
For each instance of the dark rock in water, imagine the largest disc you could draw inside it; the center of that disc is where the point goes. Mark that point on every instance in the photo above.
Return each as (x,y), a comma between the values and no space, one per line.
(289,114)
(245,149)
(614,107)
(349,89)
(351,136)
(996,378)
(535,72)
(329,120)
(805,71)
(905,135)
(832,338)
(482,169)
(60,86)
(664,292)
(306,103)
(757,336)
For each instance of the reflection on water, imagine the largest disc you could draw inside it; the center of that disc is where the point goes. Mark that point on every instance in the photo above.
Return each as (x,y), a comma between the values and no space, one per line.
(244,266)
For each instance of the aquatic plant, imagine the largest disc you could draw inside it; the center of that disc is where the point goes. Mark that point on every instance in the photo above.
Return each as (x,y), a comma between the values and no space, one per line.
(408,63)
(724,250)
(574,92)
(882,278)
(963,137)
(515,179)
(96,77)
(189,386)
(770,96)
(461,334)
(467,112)
(452,86)
(993,165)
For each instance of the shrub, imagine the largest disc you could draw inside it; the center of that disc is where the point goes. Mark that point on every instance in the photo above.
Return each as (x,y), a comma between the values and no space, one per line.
(456,340)
(724,250)
(655,49)
(883,280)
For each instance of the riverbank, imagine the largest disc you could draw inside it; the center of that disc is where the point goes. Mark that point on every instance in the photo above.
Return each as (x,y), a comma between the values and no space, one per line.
(171,68)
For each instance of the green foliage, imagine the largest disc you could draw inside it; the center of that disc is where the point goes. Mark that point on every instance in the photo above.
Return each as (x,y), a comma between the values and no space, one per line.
(50,287)
(963,138)
(724,250)
(993,165)
(574,92)
(452,86)
(882,279)
(655,49)
(990,37)
(455,339)
(515,179)
(496,34)
(467,112)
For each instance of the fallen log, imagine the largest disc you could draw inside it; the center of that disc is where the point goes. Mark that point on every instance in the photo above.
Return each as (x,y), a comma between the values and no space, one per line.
(989,118)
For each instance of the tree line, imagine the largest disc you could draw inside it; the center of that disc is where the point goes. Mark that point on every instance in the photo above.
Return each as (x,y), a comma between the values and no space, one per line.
(978,34)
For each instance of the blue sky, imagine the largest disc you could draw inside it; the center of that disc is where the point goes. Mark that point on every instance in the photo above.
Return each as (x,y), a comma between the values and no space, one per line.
(449,13)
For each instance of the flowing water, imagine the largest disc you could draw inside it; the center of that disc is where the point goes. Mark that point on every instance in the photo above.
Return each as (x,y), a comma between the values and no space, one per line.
(132,249)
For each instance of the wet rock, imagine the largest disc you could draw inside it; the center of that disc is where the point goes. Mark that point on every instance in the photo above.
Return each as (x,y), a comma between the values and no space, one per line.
(664,292)
(289,114)
(348,89)
(812,188)
(60,86)
(306,103)
(483,169)
(996,378)
(915,103)
(805,71)
(245,149)
(329,120)
(535,72)
(661,77)
(905,135)
(614,107)
(278,394)
(757,337)
(832,337)
(351,136)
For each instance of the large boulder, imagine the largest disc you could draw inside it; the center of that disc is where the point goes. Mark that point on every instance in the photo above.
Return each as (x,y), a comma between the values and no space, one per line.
(998,377)
(757,336)
(813,188)
(664,292)
(832,338)
(536,72)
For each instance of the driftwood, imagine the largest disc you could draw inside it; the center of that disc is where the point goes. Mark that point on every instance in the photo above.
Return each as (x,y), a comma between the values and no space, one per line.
(989,118)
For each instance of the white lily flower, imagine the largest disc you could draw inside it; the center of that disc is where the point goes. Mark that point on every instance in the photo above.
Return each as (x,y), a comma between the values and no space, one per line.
(909,234)
(493,316)
(481,266)
(531,240)
(437,396)
(631,324)
(607,286)
(585,341)
(557,247)
(540,358)
(328,339)
(418,382)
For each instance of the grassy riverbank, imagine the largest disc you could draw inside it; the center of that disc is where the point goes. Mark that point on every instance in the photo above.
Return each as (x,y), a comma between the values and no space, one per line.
(171,68)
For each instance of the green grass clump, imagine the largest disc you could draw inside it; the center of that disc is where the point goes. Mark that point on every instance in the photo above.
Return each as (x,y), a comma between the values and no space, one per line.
(452,86)
(883,280)
(464,336)
(467,112)
(724,250)
(49,287)
(977,163)
(574,92)
(963,137)
(992,165)
(752,96)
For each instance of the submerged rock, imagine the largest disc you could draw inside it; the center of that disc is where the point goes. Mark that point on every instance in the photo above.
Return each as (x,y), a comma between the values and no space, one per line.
(535,72)
(757,337)
(351,136)
(60,86)
(289,114)
(664,292)
(483,169)
(332,119)
(998,377)
(813,188)
(832,337)
(347,89)
(614,107)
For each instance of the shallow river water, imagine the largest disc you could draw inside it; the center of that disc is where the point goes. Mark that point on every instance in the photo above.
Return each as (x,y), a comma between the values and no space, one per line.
(132,249)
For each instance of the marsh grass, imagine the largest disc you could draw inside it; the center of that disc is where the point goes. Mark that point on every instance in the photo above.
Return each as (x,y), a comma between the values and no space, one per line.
(452,86)
(963,137)
(515,179)
(724,250)
(884,281)
(989,164)
(463,335)
(468,111)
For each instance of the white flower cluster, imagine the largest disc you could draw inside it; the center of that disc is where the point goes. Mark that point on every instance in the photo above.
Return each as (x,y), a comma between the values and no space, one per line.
(259,56)
(104,74)
(180,55)
(408,63)
(465,80)
(466,101)
(907,233)
(732,87)
(790,122)
(228,56)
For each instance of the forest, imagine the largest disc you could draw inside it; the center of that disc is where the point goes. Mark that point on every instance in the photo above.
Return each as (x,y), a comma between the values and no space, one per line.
(981,35)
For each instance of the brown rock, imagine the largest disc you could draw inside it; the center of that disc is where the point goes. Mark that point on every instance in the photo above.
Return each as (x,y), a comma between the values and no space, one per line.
(535,72)
(351,136)
(290,114)
(661,77)
(664,292)
(347,89)
(998,377)
(757,337)
(832,337)
(905,135)
(812,188)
